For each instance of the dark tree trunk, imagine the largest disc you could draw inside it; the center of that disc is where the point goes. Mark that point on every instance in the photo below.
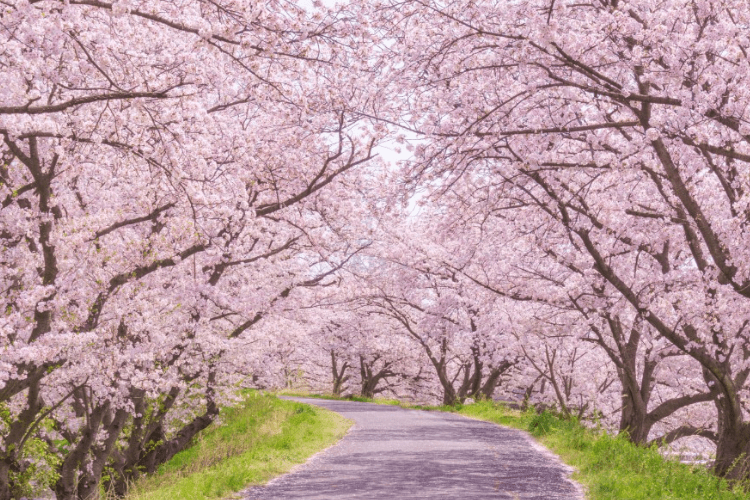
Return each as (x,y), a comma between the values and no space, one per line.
(5,487)
(489,386)
(733,452)
(66,487)
(124,462)
(634,420)
(370,380)
(146,431)
(169,448)
(91,473)
(449,395)
(733,434)
(339,375)
(14,440)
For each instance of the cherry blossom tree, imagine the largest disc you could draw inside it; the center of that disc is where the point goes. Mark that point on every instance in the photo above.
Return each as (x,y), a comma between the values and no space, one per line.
(158,159)
(459,335)
(642,362)
(624,123)
(191,202)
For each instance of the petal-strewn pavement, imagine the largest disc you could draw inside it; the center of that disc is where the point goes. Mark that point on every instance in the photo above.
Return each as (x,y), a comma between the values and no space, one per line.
(393,453)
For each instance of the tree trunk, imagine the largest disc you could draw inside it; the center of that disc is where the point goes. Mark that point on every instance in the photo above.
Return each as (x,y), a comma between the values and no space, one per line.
(370,380)
(634,420)
(145,433)
(489,386)
(91,473)
(732,451)
(339,376)
(169,448)
(6,464)
(14,439)
(66,487)
(449,395)
(449,392)
(733,444)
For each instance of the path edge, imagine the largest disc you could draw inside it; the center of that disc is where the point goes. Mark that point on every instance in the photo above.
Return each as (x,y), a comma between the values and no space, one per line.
(245,494)
(581,489)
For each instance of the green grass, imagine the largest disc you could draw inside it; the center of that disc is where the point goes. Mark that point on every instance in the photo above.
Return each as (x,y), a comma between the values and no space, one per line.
(256,441)
(609,467)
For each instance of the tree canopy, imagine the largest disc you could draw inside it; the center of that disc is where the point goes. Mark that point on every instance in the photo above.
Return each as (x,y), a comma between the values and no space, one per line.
(545,201)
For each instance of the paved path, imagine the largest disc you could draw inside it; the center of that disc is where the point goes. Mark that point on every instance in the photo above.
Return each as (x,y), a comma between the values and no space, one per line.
(393,453)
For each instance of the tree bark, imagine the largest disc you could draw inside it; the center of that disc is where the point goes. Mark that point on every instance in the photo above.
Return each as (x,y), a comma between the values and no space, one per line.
(733,435)
(91,473)
(66,487)
(339,375)
(169,448)
(14,439)
(370,380)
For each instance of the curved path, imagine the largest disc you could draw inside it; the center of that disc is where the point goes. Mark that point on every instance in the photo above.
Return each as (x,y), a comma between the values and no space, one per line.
(393,453)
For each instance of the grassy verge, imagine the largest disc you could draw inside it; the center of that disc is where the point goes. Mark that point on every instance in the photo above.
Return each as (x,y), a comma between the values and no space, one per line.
(257,440)
(609,467)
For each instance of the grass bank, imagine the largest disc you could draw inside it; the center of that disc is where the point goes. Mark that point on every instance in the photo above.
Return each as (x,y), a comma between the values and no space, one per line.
(261,438)
(609,467)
